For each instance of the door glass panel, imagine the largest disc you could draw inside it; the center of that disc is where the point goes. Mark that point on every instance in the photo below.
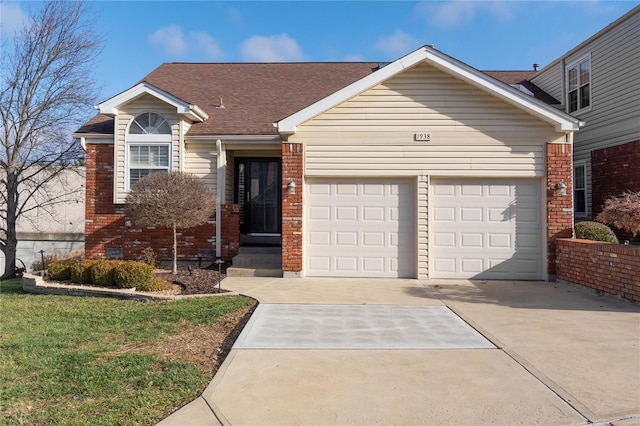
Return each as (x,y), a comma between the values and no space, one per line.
(259,193)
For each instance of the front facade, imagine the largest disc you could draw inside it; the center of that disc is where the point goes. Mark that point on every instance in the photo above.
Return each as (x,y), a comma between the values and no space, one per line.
(597,82)
(424,168)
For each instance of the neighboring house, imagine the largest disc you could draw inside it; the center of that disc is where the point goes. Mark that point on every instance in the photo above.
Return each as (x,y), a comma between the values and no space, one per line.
(598,81)
(424,168)
(57,228)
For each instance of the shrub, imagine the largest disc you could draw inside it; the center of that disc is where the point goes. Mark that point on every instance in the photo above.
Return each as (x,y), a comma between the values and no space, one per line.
(596,232)
(81,271)
(131,274)
(149,257)
(103,273)
(56,257)
(154,284)
(60,270)
(623,212)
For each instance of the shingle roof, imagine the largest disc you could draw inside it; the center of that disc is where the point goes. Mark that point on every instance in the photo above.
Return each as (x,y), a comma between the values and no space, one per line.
(523,77)
(255,95)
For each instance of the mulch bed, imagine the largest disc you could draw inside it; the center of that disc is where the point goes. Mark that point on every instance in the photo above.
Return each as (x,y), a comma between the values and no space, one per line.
(196,281)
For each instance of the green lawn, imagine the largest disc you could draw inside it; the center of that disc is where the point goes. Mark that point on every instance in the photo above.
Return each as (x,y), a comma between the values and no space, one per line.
(65,360)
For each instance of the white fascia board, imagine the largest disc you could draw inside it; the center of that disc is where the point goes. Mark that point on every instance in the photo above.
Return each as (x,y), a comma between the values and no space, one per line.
(561,121)
(110,106)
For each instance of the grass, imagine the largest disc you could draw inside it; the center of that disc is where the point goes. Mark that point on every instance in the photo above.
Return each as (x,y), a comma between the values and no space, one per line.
(65,360)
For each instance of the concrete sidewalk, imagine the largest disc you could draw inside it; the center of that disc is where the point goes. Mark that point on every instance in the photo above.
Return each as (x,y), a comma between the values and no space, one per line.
(562,355)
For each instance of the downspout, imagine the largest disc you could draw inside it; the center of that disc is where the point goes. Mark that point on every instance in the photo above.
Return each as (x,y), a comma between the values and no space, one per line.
(220,163)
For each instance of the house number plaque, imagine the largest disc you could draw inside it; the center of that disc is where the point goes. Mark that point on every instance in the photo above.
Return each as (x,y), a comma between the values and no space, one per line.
(422,136)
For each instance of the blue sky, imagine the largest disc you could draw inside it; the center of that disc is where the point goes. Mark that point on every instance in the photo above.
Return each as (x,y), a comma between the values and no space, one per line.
(489,35)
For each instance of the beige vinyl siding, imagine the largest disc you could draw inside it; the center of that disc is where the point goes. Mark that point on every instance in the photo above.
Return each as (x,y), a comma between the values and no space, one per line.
(146,103)
(472,133)
(200,160)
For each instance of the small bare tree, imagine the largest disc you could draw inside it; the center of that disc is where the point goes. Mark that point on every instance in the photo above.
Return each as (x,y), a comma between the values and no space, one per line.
(622,212)
(171,200)
(46,89)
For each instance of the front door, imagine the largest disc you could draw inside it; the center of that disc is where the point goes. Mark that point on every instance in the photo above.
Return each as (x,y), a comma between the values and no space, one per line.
(258,191)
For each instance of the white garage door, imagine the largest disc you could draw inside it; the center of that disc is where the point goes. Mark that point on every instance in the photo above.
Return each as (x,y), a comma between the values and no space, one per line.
(359,228)
(485,229)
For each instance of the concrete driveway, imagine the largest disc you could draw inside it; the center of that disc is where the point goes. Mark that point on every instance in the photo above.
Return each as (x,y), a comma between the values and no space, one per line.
(366,351)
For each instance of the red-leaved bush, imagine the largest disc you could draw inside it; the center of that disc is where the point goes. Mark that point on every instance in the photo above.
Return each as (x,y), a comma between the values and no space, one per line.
(622,212)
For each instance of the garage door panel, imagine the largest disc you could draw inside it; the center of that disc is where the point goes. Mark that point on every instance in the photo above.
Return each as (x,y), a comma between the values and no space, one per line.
(486,229)
(367,232)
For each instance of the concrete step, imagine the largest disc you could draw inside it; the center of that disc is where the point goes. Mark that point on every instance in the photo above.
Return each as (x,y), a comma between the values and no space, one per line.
(257,260)
(261,249)
(254,272)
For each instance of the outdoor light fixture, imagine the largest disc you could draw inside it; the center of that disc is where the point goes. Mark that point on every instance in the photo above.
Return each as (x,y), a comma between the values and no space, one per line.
(562,188)
(291,188)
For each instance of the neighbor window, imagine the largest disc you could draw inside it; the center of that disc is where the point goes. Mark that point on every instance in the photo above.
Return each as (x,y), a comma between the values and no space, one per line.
(580,190)
(148,149)
(579,85)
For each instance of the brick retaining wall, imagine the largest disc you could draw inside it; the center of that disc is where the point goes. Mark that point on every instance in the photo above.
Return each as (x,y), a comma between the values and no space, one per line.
(611,268)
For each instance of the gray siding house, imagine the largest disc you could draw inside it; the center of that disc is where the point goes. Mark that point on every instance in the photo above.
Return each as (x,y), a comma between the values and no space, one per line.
(598,82)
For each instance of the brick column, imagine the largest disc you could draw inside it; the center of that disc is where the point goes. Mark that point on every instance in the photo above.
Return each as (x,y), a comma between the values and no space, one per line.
(559,207)
(292,159)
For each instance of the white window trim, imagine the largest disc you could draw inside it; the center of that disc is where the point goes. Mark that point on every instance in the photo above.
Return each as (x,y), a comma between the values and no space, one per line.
(583,164)
(566,79)
(144,140)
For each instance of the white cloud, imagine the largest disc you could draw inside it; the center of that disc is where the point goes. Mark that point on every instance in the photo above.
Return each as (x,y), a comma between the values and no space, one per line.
(207,44)
(171,40)
(174,42)
(12,19)
(397,44)
(277,48)
(458,13)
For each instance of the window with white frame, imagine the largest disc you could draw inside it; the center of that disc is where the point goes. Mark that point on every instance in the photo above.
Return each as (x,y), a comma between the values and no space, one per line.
(148,147)
(580,190)
(579,85)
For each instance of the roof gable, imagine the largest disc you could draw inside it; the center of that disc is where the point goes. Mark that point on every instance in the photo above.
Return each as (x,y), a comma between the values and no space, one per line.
(560,120)
(111,106)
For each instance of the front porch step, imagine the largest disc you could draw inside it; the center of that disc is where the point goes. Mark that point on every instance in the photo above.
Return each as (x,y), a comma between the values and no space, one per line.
(254,272)
(257,260)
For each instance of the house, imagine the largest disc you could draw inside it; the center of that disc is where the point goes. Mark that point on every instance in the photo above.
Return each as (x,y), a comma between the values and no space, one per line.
(52,220)
(597,82)
(423,168)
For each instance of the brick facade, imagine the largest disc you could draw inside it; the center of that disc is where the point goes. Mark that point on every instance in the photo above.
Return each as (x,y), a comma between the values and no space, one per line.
(614,170)
(292,209)
(108,228)
(559,207)
(610,268)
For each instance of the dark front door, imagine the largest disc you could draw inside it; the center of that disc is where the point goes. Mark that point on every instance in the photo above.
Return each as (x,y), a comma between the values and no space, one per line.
(258,191)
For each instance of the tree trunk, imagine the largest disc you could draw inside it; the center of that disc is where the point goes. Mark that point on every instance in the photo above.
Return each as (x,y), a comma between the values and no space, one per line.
(174,269)
(11,242)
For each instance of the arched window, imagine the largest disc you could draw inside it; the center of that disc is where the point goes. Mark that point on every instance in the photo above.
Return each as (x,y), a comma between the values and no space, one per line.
(148,147)
(149,123)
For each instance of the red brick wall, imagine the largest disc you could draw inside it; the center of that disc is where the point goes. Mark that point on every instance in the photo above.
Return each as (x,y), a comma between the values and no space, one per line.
(611,268)
(614,170)
(559,208)
(107,227)
(292,159)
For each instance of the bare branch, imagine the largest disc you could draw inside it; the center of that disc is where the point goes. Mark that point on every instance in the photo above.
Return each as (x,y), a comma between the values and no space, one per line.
(171,200)
(46,90)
